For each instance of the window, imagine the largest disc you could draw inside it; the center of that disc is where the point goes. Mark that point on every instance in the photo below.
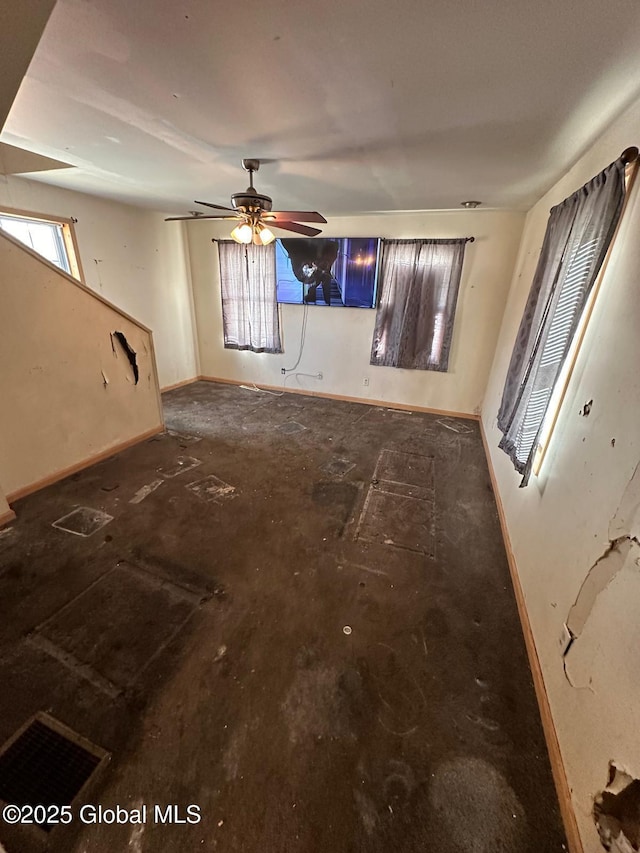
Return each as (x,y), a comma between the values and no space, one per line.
(578,236)
(52,238)
(249,306)
(419,290)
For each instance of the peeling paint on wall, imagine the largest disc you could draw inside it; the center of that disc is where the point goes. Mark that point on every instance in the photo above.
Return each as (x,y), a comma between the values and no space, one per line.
(623,528)
(597,580)
(616,812)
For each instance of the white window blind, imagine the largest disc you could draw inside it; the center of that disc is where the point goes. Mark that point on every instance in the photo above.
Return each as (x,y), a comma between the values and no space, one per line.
(569,306)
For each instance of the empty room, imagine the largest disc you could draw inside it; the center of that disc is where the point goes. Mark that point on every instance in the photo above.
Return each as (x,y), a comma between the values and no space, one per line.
(319,448)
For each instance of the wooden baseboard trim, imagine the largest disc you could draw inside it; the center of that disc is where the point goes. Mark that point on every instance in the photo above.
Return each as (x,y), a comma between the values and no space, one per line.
(6,517)
(404,407)
(555,756)
(180,384)
(80,466)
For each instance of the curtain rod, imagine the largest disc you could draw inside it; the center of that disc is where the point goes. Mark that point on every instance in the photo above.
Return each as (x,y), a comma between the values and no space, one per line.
(434,240)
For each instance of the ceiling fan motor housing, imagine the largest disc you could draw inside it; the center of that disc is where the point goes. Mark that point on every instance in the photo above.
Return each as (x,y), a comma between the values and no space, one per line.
(251,199)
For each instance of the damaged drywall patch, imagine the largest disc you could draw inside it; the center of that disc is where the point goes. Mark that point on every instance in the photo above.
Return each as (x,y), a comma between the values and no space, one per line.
(129,352)
(585,411)
(616,812)
(597,580)
(623,530)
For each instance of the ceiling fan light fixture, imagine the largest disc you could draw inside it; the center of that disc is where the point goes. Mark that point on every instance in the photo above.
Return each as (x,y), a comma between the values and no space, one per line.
(265,235)
(242,233)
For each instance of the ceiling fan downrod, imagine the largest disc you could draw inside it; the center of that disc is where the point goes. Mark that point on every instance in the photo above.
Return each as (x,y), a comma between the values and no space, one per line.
(251,201)
(251,166)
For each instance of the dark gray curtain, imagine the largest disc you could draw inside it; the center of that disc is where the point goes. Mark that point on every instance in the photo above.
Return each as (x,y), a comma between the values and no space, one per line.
(578,235)
(419,290)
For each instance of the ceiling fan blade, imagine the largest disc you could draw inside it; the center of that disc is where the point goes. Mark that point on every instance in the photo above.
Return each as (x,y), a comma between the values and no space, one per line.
(295,215)
(204,216)
(299,229)
(215,206)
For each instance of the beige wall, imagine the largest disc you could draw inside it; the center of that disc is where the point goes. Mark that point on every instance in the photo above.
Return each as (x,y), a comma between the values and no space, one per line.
(22,27)
(338,340)
(132,258)
(562,523)
(56,350)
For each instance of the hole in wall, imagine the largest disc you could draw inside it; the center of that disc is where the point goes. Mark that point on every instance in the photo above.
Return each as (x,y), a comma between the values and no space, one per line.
(129,352)
(616,812)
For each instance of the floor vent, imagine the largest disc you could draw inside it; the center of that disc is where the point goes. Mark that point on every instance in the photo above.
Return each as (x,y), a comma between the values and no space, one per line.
(46,764)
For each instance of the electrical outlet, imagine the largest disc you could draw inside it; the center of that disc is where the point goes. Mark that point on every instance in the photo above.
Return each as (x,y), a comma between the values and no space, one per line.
(565,639)
(365,381)
(283,370)
(320,376)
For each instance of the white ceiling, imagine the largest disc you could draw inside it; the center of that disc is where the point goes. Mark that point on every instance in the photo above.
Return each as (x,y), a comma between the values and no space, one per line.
(357,106)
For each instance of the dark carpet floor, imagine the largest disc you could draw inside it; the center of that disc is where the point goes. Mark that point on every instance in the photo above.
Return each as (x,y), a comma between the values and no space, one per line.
(298,618)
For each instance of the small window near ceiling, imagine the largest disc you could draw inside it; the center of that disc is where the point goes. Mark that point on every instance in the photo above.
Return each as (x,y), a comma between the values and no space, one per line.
(51,238)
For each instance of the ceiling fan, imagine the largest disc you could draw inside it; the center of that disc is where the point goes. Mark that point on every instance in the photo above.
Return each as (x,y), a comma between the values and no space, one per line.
(254,212)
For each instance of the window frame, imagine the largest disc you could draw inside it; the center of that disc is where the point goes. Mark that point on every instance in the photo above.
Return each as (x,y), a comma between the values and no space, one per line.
(69,237)
(564,378)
